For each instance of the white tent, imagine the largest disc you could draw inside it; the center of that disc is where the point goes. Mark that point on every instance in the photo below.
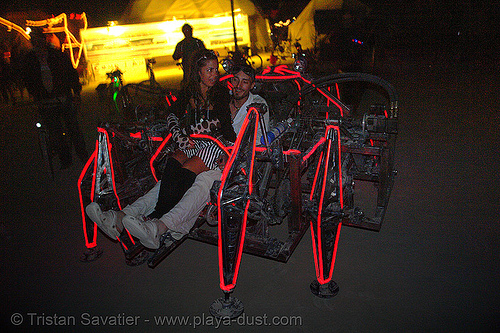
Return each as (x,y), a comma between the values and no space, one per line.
(303,29)
(141,11)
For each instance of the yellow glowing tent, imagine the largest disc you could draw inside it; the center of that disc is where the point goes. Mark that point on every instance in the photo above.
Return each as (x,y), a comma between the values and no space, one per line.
(141,11)
(303,27)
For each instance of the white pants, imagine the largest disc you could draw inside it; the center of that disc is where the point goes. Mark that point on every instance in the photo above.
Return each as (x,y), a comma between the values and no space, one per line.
(183,216)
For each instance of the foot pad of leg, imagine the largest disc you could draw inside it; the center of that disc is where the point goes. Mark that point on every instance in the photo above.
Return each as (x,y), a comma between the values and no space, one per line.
(91,254)
(327,290)
(230,307)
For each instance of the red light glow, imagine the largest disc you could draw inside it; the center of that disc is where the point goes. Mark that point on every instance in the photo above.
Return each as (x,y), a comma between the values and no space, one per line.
(316,176)
(320,142)
(204,136)
(225,173)
(82,174)
(318,248)
(291,152)
(155,155)
(108,147)
(331,100)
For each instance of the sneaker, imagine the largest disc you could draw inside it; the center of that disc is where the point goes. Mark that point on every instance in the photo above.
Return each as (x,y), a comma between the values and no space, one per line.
(146,231)
(106,221)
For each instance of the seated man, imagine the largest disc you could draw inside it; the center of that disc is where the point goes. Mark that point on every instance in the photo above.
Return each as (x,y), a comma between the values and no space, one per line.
(180,219)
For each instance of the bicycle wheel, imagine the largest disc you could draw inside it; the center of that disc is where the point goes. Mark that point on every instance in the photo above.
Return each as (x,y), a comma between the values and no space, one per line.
(255,61)
(279,52)
(45,150)
(124,103)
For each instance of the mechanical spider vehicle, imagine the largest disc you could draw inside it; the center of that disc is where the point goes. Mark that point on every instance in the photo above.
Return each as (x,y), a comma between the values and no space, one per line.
(331,164)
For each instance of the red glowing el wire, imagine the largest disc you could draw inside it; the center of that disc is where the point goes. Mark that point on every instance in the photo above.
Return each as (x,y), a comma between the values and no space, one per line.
(292,152)
(283,77)
(80,179)
(332,100)
(317,250)
(204,136)
(155,155)
(320,142)
(328,102)
(316,175)
(92,192)
(225,77)
(108,144)
(225,173)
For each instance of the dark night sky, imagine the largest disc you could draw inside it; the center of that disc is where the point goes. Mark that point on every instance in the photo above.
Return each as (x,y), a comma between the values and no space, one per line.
(113,9)
(398,11)
(101,11)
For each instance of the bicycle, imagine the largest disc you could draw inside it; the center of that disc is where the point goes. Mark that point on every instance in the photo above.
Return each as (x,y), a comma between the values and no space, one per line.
(251,58)
(151,73)
(45,150)
(145,100)
(238,58)
(281,52)
(108,92)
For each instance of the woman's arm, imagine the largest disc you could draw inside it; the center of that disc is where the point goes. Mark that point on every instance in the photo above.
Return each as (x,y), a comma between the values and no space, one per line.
(180,105)
(176,113)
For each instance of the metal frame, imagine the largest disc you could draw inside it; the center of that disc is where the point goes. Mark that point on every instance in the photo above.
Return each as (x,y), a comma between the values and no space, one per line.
(327,149)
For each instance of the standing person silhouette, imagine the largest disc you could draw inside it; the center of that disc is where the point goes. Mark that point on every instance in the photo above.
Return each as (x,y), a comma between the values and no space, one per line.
(55,86)
(7,82)
(185,48)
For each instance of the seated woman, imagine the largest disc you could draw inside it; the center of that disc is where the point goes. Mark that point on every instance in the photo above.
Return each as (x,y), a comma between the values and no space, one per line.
(202,107)
(181,218)
(186,164)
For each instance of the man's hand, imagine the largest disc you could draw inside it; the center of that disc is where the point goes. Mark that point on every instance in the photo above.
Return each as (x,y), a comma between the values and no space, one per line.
(222,160)
(259,106)
(191,144)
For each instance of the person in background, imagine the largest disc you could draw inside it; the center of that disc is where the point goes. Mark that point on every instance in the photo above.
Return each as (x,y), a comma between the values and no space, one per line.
(53,40)
(185,49)
(6,77)
(50,78)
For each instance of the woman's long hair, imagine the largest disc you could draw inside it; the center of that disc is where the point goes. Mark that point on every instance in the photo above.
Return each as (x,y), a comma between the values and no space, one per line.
(197,60)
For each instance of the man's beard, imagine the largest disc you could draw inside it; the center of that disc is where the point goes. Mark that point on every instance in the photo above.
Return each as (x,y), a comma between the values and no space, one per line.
(239,98)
